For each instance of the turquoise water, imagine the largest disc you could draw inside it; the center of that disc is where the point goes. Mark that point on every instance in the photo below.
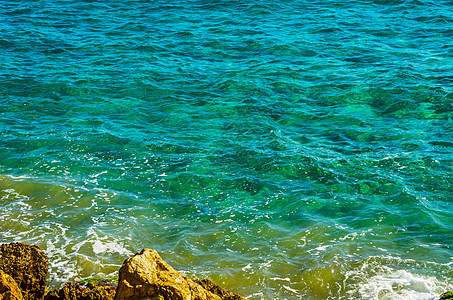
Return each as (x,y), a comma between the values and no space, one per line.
(285,150)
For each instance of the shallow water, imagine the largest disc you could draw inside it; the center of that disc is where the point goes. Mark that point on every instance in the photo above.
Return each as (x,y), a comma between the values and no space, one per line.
(290,150)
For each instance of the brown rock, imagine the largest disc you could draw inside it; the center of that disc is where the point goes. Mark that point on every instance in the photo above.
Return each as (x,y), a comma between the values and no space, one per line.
(219,291)
(9,290)
(148,276)
(79,291)
(28,266)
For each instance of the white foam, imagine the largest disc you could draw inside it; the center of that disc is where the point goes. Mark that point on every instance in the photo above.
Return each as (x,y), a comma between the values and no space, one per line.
(322,248)
(290,289)
(279,278)
(247,267)
(109,247)
(391,284)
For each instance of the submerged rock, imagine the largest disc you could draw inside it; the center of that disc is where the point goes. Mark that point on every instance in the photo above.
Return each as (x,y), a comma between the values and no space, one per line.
(80,291)
(148,276)
(9,290)
(28,266)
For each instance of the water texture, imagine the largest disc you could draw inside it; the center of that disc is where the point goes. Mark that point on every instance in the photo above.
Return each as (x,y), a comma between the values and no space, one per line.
(285,150)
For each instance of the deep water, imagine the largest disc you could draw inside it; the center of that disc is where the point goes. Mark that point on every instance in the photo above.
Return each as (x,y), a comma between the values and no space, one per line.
(283,149)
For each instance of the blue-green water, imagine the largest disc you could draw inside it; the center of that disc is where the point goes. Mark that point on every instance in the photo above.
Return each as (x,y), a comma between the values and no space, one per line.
(285,150)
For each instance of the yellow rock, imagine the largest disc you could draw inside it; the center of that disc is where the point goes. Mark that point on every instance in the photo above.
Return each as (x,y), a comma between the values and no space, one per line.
(148,276)
(28,266)
(9,290)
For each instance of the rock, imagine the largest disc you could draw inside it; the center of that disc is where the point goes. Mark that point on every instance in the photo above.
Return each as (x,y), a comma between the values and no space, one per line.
(446,295)
(28,266)
(9,290)
(107,284)
(219,291)
(148,276)
(80,291)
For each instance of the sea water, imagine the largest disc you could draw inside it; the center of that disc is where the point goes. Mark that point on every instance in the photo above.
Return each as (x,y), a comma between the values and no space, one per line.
(283,149)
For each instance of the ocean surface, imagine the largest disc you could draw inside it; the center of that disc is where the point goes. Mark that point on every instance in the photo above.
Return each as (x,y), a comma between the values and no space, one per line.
(283,149)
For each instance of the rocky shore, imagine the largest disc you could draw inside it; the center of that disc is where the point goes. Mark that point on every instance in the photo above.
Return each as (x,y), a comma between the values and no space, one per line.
(24,270)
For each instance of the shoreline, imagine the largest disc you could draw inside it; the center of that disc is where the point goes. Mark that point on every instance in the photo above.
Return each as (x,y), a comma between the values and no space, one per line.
(24,272)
